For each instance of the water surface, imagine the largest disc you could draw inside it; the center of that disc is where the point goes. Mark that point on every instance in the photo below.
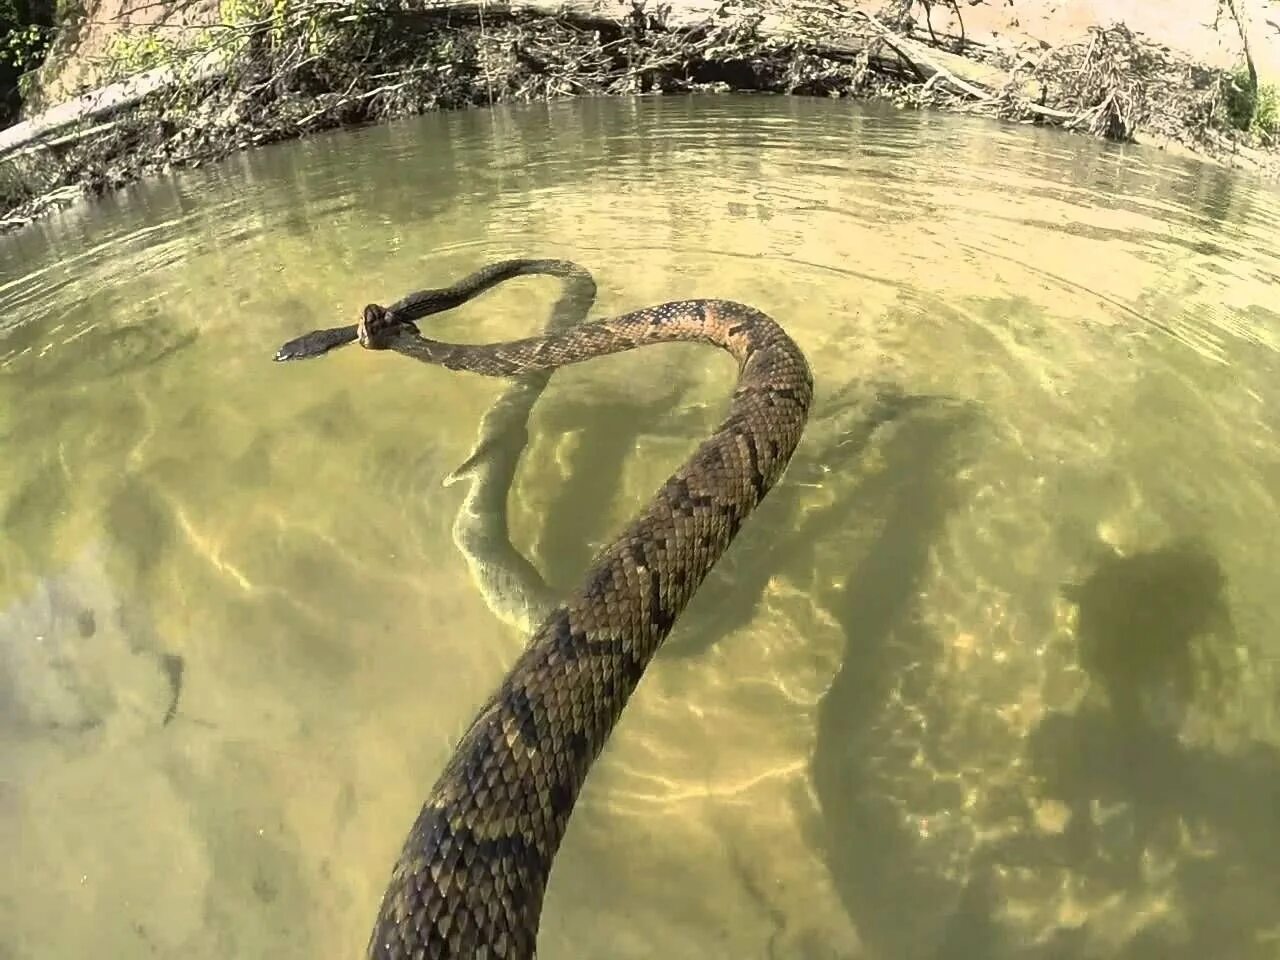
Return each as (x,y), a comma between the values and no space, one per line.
(989,675)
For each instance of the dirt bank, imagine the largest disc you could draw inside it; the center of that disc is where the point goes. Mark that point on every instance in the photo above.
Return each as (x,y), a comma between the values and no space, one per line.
(228,74)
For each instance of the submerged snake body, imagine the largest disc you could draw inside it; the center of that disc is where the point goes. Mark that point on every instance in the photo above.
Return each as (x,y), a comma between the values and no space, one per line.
(511,586)
(472,874)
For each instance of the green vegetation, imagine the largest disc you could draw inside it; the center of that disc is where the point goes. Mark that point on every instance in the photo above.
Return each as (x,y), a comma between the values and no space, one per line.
(1266,116)
(291,67)
(1253,109)
(130,53)
(26,33)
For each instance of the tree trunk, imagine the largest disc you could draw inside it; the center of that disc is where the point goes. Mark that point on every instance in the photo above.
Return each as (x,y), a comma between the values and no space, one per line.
(1235,8)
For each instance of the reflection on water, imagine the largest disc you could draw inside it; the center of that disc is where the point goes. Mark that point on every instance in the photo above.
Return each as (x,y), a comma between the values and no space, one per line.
(237,643)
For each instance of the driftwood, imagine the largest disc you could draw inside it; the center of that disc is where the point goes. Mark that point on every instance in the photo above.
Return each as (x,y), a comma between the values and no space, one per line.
(101,103)
(937,65)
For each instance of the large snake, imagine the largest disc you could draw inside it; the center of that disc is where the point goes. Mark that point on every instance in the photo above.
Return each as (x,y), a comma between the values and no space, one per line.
(471,876)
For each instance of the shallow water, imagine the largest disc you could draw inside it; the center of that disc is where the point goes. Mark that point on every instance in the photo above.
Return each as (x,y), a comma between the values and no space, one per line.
(990,674)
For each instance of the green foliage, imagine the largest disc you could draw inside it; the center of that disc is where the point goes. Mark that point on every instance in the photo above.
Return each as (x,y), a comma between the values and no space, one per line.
(1252,110)
(24,46)
(24,37)
(131,53)
(26,34)
(1266,114)
(232,13)
(1240,97)
(277,26)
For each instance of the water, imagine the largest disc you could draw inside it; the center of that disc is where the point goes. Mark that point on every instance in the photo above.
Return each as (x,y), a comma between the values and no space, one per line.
(989,675)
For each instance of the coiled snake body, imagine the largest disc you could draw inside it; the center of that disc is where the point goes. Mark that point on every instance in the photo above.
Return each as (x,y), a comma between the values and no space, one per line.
(472,873)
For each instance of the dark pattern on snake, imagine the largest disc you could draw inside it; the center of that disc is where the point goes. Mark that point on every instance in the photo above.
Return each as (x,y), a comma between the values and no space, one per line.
(471,876)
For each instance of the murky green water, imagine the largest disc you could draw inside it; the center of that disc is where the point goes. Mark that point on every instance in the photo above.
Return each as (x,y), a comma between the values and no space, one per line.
(990,675)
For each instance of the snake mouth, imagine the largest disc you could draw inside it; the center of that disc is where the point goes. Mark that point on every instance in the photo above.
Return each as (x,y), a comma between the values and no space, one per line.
(293,350)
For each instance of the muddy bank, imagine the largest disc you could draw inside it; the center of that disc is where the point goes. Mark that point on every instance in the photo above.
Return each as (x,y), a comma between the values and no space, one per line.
(261,73)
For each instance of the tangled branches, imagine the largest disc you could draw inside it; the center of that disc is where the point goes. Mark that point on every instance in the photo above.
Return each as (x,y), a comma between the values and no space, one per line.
(1114,83)
(1104,81)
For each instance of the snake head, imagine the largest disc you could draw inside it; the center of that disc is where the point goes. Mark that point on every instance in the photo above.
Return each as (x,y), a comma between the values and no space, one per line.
(379,327)
(316,343)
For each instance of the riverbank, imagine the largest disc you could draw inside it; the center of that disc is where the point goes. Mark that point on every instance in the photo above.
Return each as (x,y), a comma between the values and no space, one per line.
(238,74)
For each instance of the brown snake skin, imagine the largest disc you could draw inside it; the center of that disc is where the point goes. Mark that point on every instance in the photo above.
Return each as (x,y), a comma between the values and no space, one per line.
(470,879)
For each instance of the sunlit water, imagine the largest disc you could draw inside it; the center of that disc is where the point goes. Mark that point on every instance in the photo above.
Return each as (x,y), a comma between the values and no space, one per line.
(989,675)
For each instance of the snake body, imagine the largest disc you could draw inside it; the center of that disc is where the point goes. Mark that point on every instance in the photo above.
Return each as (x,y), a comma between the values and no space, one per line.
(471,876)
(510,585)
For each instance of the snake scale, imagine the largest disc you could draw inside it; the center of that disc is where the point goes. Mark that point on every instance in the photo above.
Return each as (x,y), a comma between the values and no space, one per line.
(470,880)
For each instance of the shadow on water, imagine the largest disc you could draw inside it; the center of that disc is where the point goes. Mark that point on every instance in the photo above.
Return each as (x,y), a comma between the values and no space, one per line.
(1186,839)
(1216,195)
(782,536)
(1134,649)
(871,858)
(779,536)
(1151,628)
(1157,640)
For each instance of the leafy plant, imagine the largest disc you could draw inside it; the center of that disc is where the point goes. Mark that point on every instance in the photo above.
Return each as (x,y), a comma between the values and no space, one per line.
(25,37)
(135,52)
(1252,108)
(1266,113)
(24,46)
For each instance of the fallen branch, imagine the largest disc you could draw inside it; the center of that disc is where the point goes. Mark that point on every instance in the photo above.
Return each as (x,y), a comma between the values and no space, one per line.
(924,64)
(103,102)
(45,202)
(927,64)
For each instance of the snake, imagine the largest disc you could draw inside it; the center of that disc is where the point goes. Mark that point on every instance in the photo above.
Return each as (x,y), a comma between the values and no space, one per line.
(471,876)
(509,584)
